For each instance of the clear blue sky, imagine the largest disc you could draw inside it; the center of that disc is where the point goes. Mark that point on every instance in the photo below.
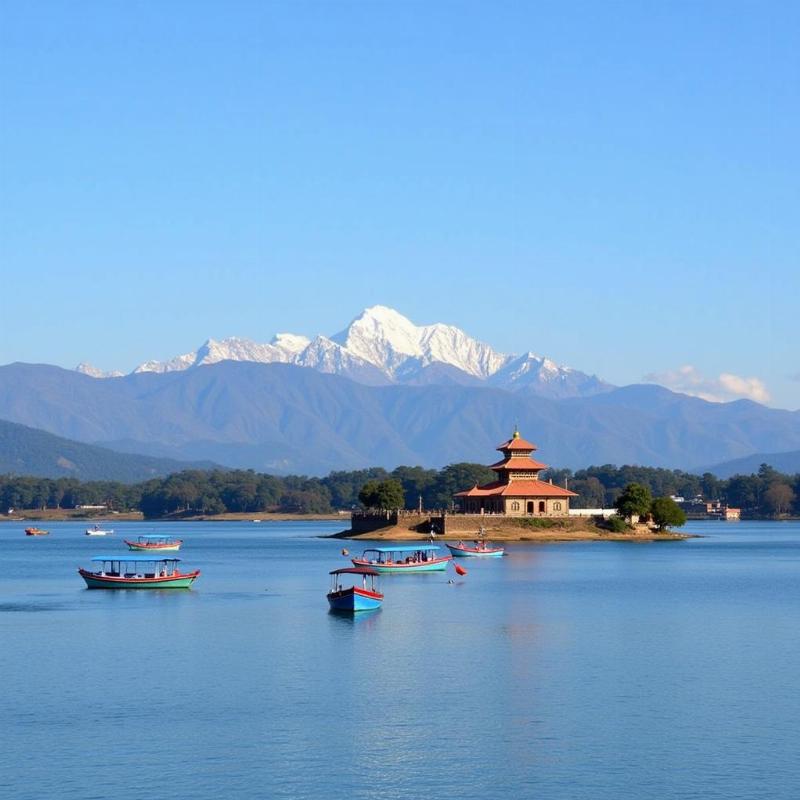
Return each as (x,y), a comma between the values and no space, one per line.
(612,184)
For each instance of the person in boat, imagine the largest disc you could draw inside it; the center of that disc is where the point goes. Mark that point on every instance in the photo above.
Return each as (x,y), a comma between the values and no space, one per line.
(460,542)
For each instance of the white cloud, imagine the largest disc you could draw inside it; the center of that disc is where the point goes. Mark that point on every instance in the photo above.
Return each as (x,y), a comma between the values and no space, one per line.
(723,388)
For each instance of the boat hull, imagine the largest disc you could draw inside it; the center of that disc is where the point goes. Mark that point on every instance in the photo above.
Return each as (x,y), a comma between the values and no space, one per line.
(468,552)
(354,599)
(37,533)
(95,581)
(154,548)
(435,565)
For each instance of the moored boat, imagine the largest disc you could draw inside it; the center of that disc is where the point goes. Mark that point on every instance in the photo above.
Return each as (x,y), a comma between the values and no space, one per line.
(96,530)
(403,558)
(36,532)
(354,598)
(480,548)
(149,543)
(144,571)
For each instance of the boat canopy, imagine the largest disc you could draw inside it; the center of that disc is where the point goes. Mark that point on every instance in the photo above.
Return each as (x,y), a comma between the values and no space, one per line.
(355,571)
(157,536)
(402,548)
(130,559)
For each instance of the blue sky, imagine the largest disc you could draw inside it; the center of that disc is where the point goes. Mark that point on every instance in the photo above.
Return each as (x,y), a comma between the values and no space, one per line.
(614,185)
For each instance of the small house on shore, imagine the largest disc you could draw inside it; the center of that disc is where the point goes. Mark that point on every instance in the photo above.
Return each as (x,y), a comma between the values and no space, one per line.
(518,491)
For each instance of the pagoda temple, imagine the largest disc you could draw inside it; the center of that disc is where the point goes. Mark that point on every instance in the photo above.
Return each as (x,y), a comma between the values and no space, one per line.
(517,491)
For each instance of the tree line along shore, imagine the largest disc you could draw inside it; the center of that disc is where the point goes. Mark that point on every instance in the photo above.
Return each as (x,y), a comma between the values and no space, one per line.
(218,493)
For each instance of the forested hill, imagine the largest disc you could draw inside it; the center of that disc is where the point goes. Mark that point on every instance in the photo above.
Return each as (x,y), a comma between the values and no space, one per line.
(766,493)
(28,451)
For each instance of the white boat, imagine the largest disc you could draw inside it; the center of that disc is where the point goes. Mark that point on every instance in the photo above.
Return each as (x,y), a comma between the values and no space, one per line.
(98,531)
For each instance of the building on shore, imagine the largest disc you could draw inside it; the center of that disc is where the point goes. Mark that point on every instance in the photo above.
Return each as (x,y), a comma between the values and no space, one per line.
(517,492)
(718,510)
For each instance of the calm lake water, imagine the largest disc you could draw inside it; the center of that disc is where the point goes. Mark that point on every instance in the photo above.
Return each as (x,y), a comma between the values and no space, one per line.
(595,670)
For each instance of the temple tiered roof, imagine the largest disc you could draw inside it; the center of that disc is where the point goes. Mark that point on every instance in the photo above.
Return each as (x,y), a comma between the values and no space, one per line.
(517,475)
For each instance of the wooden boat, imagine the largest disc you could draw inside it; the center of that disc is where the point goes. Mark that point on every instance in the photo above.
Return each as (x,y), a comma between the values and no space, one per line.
(36,532)
(403,558)
(480,548)
(354,598)
(150,543)
(98,531)
(143,571)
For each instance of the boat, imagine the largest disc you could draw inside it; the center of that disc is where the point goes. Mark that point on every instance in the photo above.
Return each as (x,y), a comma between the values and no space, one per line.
(96,530)
(149,543)
(403,558)
(36,532)
(143,571)
(354,598)
(480,548)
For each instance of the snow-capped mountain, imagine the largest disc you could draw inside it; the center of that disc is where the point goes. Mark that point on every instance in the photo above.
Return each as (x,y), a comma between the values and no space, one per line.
(544,376)
(284,348)
(96,372)
(385,338)
(381,346)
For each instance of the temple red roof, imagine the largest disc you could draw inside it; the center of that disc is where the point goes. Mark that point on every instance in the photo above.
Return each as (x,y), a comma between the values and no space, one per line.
(518,462)
(516,442)
(518,488)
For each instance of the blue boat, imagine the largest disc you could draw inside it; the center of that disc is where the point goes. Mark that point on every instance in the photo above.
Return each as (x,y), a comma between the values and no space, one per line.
(403,558)
(354,598)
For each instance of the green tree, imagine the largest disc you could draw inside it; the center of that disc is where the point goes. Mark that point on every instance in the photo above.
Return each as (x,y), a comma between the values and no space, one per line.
(635,500)
(385,495)
(455,478)
(666,512)
(778,498)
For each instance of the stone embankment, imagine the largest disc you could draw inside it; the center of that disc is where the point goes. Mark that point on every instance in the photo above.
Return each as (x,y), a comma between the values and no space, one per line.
(414,526)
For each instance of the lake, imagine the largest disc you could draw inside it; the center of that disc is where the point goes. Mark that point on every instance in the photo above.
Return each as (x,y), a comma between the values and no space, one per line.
(578,670)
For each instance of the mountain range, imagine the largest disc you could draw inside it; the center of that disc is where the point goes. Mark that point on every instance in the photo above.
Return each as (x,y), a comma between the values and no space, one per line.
(287,418)
(381,347)
(788,463)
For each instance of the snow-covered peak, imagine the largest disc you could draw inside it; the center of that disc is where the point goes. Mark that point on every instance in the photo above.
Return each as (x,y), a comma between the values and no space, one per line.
(236,349)
(543,376)
(381,336)
(388,340)
(290,343)
(178,363)
(95,372)
(325,355)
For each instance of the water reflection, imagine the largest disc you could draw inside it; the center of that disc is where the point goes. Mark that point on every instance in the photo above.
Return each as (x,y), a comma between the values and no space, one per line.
(359,618)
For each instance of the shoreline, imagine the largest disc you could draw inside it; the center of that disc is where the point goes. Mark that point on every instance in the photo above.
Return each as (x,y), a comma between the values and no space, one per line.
(67,515)
(537,538)
(397,534)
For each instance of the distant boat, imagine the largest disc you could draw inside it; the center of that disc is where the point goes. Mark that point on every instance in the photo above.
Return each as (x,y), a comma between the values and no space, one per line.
(145,571)
(354,598)
(154,543)
(98,531)
(36,532)
(403,558)
(479,549)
